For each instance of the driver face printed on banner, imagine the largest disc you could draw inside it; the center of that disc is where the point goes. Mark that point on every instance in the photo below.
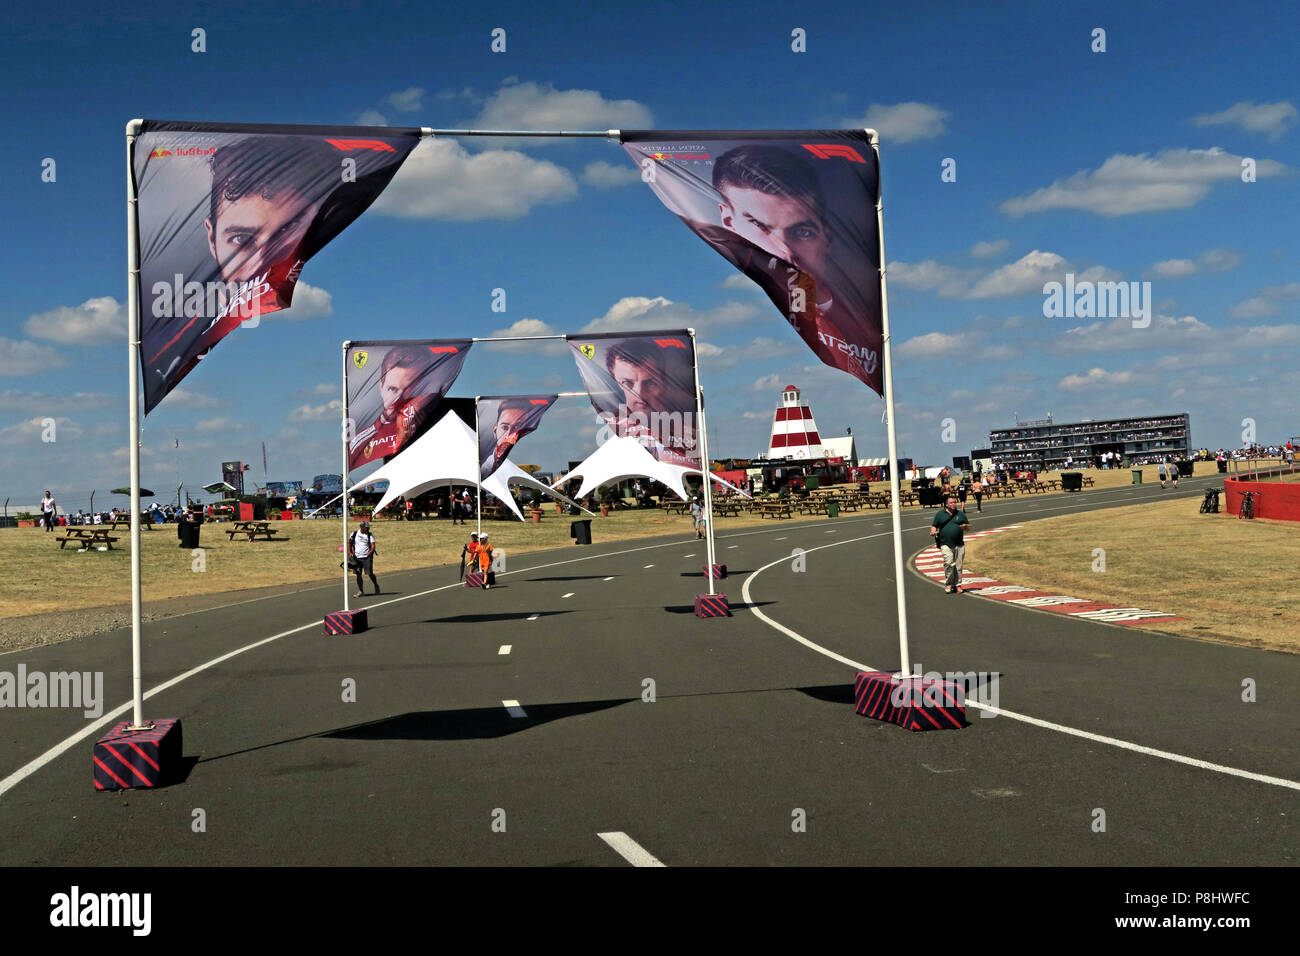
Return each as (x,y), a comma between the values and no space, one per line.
(643,386)
(229,215)
(255,221)
(393,391)
(793,211)
(502,422)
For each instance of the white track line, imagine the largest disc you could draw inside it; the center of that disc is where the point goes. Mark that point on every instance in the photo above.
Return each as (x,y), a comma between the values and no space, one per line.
(610,578)
(1035,721)
(647,567)
(569,595)
(533,617)
(513,709)
(691,555)
(629,849)
(23,772)
(504,649)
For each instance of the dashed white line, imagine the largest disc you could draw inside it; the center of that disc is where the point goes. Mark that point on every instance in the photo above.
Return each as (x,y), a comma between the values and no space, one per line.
(629,849)
(569,595)
(778,539)
(504,649)
(533,617)
(610,578)
(513,709)
(732,547)
(647,567)
(691,555)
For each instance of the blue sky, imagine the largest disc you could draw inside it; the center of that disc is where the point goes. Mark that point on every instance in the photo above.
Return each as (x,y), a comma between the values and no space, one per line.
(1123,165)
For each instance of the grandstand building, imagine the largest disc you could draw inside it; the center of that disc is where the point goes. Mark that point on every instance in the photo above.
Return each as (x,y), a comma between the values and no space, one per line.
(1046,444)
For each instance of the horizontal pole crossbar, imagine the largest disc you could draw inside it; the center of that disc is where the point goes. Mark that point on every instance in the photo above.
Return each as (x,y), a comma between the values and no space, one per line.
(588,133)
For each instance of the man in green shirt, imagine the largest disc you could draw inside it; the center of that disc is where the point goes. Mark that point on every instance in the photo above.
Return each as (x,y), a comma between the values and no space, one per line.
(948,529)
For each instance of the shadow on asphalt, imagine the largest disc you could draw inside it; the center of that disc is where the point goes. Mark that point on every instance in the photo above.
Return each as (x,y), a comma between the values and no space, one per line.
(577,577)
(476,724)
(831,693)
(483,618)
(731,573)
(479,723)
(690,608)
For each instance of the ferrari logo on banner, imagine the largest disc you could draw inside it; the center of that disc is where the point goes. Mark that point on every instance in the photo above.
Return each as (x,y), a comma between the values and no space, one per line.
(359,359)
(588,351)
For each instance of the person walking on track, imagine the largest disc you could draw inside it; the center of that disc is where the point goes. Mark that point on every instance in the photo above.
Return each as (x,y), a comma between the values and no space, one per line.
(948,528)
(361,548)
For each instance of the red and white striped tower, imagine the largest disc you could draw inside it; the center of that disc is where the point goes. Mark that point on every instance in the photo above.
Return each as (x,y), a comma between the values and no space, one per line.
(794,433)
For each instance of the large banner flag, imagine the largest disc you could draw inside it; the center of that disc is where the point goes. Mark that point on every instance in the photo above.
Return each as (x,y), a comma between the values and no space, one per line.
(229,213)
(502,421)
(642,385)
(796,212)
(394,389)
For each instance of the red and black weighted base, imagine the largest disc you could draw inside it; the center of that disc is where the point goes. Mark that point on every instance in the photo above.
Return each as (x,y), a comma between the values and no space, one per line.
(126,759)
(916,703)
(346,622)
(475,579)
(712,605)
(716,571)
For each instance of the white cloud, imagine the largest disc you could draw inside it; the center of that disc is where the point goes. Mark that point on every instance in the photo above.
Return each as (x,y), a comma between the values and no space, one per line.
(1268,302)
(739,283)
(541,106)
(605,175)
(931,276)
(319,391)
(1124,184)
(994,247)
(372,118)
(94,322)
(768,383)
(220,424)
(902,122)
(407,100)
(1214,260)
(45,404)
(1173,269)
(526,327)
(315,413)
(27,358)
(442,180)
(1027,274)
(1095,378)
(309,302)
(34,429)
(1115,335)
(640,313)
(183,397)
(1270,336)
(1271,119)
(932,345)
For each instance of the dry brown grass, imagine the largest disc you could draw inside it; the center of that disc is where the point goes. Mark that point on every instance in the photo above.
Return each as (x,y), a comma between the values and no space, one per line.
(1233,580)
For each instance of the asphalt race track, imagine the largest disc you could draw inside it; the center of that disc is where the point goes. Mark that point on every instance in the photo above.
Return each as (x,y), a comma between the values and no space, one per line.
(459,751)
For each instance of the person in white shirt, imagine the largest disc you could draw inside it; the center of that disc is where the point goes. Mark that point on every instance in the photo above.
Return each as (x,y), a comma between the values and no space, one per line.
(361,548)
(48,510)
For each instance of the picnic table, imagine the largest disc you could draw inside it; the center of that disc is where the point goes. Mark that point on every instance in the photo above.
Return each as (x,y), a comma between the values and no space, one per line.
(252,529)
(777,510)
(87,537)
(728,509)
(1089,481)
(676,507)
(146,522)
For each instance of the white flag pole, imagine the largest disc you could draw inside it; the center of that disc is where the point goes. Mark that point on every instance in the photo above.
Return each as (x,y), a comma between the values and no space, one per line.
(905,659)
(478,473)
(704,463)
(133,438)
(347,442)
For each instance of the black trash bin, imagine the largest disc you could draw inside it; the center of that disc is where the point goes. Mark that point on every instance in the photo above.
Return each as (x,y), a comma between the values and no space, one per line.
(580,531)
(1185,469)
(1223,467)
(188,532)
(1072,481)
(930,496)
